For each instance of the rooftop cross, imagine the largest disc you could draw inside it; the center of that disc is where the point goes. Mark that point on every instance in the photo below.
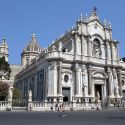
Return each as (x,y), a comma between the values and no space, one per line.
(94,9)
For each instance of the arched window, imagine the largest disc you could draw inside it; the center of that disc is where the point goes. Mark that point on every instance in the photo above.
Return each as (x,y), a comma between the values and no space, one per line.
(96,48)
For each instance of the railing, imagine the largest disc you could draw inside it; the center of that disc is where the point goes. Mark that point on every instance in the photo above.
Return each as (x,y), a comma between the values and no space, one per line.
(69,106)
(48,106)
(5,105)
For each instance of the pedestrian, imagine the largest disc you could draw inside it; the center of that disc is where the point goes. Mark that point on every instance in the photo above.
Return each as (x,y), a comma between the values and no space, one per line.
(51,108)
(56,107)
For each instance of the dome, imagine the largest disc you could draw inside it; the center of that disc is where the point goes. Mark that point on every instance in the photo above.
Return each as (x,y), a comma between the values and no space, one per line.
(33,45)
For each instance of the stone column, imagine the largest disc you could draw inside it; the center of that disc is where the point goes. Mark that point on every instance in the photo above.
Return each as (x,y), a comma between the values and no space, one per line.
(77,79)
(113,51)
(117,51)
(76,44)
(108,51)
(35,86)
(119,82)
(54,79)
(49,81)
(89,81)
(110,83)
(59,78)
(89,47)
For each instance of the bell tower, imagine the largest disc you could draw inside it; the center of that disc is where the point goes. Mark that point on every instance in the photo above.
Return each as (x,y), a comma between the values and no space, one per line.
(4,50)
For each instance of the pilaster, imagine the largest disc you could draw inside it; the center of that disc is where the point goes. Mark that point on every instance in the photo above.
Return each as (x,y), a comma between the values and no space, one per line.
(113,51)
(90,80)
(89,48)
(77,44)
(119,82)
(59,78)
(84,46)
(85,82)
(108,51)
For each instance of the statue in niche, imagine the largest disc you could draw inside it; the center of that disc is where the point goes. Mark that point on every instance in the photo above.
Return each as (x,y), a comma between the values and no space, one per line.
(84,88)
(116,90)
(98,96)
(96,48)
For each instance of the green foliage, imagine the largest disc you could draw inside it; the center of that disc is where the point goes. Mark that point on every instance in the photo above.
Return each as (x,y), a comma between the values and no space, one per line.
(3,91)
(5,69)
(16,93)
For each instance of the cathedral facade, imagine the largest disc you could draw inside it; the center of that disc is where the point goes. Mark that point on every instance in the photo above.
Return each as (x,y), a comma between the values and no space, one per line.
(83,65)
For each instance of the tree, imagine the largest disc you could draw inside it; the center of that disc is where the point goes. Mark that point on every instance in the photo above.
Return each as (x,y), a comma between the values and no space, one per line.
(5,69)
(16,93)
(4,87)
(5,72)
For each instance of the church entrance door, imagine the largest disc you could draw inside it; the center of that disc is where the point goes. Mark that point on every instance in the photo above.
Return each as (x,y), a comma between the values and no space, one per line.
(98,89)
(66,94)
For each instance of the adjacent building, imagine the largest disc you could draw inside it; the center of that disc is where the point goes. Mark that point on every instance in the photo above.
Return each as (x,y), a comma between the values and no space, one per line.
(14,68)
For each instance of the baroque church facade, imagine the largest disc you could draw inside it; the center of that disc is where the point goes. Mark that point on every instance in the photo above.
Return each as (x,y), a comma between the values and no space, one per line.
(83,65)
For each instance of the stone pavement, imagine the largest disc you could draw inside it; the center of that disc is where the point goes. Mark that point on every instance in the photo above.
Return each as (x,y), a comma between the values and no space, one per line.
(71,118)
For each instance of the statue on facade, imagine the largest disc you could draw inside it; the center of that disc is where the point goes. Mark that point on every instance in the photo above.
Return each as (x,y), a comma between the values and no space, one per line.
(116,90)
(114,74)
(84,88)
(98,96)
(10,94)
(53,48)
(96,47)
(30,96)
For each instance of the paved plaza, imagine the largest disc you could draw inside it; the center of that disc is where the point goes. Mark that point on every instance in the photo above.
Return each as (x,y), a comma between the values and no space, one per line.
(54,118)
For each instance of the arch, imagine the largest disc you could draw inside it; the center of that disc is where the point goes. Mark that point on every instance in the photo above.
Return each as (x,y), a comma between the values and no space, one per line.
(98,36)
(99,52)
(96,48)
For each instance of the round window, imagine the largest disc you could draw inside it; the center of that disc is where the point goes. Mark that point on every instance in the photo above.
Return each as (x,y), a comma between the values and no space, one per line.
(66,78)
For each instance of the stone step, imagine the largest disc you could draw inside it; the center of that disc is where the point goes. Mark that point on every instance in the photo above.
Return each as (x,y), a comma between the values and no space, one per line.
(19,109)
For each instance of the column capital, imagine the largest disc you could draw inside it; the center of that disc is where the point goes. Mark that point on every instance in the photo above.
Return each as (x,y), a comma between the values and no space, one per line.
(53,67)
(89,68)
(119,71)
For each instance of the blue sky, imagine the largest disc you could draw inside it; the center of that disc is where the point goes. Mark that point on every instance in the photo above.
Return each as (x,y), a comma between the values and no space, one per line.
(50,18)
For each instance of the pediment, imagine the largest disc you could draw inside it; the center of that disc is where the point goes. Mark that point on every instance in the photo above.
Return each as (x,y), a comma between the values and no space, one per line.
(99,75)
(96,28)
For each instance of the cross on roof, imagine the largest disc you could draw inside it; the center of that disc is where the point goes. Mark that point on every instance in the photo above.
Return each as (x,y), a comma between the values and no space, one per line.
(94,9)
